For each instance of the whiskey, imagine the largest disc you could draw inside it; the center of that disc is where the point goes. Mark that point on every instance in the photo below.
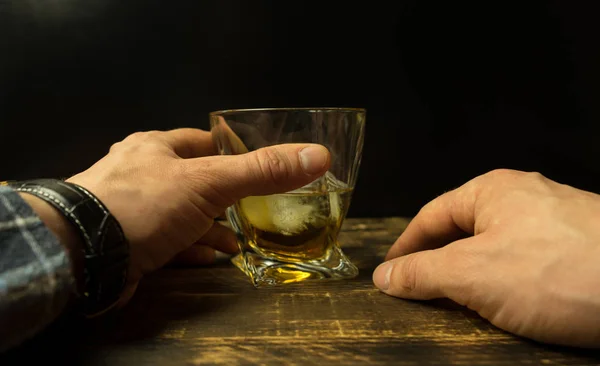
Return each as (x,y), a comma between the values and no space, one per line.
(292,237)
(297,226)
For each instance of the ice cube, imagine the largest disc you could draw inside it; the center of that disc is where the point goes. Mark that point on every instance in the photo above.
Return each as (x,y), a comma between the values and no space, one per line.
(284,214)
(291,214)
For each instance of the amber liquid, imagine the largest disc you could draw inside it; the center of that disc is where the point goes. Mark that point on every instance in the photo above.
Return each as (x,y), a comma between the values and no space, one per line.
(298,226)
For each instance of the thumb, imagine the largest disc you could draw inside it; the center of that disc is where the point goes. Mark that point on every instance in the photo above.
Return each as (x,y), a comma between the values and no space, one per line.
(427,275)
(269,170)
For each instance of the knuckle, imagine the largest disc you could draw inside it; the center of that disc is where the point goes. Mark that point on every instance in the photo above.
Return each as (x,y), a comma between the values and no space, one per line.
(142,136)
(539,183)
(517,178)
(407,279)
(535,176)
(272,165)
(434,205)
(115,147)
(429,206)
(512,175)
(135,136)
(139,141)
(502,174)
(494,182)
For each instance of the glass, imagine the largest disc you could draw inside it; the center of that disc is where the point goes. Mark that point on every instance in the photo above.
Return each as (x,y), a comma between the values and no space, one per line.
(293,237)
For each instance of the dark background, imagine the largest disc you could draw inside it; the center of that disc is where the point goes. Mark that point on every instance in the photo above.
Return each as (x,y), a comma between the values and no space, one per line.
(452,88)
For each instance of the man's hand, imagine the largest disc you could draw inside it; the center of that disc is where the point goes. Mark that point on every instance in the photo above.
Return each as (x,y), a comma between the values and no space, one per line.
(166,189)
(521,250)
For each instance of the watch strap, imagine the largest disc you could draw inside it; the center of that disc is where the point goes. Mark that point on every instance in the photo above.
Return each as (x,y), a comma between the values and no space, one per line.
(105,248)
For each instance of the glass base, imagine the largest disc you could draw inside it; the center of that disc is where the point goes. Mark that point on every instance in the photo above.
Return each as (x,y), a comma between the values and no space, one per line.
(264,271)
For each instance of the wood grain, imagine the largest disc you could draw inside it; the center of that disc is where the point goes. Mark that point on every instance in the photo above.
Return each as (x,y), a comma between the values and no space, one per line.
(214,316)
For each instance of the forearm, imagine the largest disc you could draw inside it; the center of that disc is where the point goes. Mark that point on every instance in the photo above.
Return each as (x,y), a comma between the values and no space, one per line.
(38,265)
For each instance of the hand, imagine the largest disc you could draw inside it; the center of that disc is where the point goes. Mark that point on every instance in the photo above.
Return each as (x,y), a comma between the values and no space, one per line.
(165,190)
(521,250)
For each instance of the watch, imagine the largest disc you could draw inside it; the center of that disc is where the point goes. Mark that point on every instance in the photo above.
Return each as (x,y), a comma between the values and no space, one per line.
(105,248)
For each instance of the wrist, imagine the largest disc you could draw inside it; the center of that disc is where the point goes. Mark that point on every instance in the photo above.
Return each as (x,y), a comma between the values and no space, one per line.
(99,243)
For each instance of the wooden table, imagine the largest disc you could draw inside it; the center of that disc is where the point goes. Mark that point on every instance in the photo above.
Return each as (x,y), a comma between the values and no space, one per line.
(213,316)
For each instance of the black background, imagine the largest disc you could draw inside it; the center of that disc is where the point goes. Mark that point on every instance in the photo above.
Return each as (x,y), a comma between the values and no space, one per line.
(453,88)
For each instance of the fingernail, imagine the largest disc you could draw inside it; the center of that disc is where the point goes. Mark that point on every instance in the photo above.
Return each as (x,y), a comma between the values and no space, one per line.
(381,276)
(313,158)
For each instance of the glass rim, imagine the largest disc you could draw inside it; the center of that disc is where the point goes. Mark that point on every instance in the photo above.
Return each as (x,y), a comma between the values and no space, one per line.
(288,109)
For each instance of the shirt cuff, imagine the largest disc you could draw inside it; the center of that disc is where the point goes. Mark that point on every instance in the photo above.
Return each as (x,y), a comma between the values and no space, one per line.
(36,280)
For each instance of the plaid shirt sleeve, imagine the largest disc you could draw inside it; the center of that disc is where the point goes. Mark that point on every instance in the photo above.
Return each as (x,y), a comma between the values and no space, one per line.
(35,272)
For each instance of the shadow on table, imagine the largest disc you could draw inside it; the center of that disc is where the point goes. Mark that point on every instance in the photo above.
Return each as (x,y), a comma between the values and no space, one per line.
(159,301)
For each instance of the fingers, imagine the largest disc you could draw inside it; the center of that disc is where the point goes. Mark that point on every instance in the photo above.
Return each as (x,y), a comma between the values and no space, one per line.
(445,219)
(220,238)
(196,255)
(273,169)
(411,276)
(190,142)
(430,274)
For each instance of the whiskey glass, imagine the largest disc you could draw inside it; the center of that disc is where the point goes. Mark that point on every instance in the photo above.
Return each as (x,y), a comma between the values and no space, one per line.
(293,236)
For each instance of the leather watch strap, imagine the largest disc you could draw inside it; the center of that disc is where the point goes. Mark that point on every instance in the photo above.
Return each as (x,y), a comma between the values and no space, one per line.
(106,251)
